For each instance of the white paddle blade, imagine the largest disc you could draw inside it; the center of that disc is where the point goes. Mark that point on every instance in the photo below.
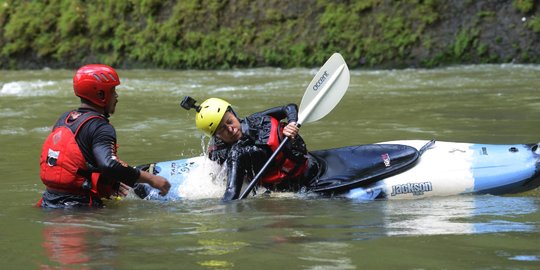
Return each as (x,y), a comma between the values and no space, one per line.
(325,90)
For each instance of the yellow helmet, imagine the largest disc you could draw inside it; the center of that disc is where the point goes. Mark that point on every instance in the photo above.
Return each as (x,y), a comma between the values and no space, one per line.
(210,114)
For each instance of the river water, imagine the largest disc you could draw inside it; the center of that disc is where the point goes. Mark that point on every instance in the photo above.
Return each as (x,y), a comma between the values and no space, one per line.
(482,103)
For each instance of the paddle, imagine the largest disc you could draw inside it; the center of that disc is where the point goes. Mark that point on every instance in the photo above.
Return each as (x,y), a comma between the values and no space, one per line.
(321,96)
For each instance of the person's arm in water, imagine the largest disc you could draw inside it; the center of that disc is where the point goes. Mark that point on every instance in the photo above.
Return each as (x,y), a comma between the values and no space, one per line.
(242,161)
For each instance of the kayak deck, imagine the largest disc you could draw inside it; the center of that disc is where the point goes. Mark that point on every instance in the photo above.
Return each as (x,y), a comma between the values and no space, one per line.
(450,168)
(388,170)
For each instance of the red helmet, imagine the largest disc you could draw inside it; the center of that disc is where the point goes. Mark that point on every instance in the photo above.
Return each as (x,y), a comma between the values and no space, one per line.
(95,83)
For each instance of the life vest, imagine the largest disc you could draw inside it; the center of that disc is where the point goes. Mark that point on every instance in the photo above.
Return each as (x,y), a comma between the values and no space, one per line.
(63,167)
(284,168)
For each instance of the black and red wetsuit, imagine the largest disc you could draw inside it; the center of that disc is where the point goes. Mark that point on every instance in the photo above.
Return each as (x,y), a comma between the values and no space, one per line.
(99,165)
(261,134)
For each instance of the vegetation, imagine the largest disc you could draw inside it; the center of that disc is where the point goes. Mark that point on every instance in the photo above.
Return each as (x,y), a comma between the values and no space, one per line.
(220,34)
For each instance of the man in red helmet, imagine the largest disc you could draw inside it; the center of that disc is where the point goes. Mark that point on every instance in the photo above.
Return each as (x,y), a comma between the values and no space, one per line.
(79,164)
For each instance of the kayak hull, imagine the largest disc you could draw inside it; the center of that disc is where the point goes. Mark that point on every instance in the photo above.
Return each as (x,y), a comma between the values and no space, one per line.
(440,169)
(449,168)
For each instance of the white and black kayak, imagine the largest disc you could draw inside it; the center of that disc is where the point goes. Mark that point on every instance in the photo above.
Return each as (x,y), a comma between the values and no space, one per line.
(389,170)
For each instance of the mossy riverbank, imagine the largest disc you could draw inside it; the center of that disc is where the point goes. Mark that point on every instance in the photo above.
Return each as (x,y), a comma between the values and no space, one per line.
(213,34)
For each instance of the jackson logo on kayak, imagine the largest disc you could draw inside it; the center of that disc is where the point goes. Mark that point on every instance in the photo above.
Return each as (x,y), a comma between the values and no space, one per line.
(320,81)
(414,188)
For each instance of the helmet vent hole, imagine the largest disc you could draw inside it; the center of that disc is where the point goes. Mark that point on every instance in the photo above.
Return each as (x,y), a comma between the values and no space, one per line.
(112,77)
(97,78)
(104,77)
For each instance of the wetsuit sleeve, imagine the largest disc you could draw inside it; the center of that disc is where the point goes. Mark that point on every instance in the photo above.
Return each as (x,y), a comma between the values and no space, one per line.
(105,155)
(289,111)
(218,150)
(243,160)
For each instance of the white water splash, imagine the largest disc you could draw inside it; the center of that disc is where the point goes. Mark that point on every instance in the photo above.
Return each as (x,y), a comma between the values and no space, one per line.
(28,88)
(206,181)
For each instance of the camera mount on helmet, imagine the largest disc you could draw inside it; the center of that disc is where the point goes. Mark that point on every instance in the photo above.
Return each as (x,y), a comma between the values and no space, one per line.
(189,103)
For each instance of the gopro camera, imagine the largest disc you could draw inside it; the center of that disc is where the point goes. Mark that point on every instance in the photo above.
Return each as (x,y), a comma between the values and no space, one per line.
(189,103)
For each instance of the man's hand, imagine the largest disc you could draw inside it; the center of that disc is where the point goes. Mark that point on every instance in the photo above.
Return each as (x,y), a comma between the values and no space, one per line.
(162,184)
(156,182)
(123,190)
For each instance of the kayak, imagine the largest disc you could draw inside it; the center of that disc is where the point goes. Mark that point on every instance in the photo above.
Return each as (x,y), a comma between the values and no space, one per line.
(449,168)
(388,170)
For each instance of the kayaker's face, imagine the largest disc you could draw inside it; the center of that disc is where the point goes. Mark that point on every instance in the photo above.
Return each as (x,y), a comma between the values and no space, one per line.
(110,107)
(229,129)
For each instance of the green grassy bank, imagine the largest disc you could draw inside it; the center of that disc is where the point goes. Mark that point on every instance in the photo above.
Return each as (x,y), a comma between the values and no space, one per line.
(214,34)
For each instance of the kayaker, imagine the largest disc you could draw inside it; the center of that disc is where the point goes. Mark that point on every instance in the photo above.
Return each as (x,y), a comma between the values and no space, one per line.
(79,164)
(245,145)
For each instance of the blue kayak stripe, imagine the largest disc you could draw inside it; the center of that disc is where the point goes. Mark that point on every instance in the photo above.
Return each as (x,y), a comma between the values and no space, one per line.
(501,165)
